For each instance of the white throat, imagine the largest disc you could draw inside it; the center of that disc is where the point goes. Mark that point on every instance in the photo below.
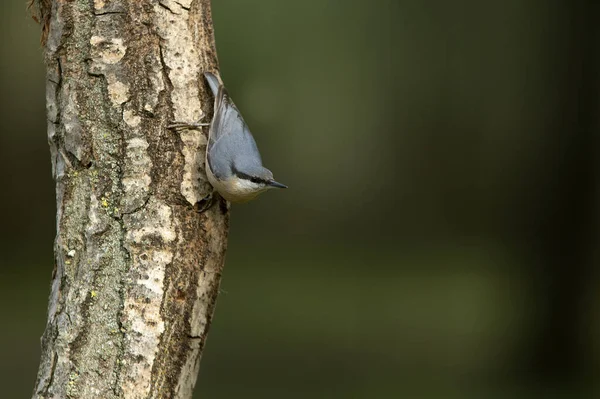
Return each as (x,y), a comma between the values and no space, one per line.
(235,189)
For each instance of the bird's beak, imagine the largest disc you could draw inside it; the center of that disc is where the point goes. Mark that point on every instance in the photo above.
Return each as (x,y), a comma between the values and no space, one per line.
(273,183)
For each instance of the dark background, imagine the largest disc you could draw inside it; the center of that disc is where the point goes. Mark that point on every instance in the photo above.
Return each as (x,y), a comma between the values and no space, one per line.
(440,235)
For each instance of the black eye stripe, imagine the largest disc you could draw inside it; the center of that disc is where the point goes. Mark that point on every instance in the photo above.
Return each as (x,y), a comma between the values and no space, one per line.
(245,176)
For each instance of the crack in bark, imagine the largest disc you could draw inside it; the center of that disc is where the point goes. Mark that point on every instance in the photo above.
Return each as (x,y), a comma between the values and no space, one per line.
(182,6)
(139,208)
(166,7)
(165,69)
(102,13)
(116,388)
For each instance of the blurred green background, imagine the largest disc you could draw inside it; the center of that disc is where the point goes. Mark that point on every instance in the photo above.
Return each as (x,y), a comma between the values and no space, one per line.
(440,233)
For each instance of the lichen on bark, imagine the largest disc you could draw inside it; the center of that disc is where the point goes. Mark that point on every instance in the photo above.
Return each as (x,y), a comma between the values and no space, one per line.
(137,270)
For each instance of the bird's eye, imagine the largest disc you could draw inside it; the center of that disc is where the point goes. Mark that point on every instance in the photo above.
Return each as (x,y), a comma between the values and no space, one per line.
(256,180)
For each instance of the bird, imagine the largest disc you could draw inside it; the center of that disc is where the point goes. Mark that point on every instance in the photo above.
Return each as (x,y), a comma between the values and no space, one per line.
(233,163)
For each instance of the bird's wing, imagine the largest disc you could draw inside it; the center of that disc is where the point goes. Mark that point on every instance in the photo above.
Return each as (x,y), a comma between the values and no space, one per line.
(229,136)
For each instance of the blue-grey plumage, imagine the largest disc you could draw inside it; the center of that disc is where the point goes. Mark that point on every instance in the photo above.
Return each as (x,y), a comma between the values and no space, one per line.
(234,165)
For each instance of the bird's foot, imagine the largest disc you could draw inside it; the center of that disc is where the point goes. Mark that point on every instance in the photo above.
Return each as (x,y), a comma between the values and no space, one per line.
(187,125)
(205,203)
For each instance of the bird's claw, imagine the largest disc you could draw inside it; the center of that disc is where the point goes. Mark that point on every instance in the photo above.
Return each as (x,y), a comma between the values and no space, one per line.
(187,125)
(205,203)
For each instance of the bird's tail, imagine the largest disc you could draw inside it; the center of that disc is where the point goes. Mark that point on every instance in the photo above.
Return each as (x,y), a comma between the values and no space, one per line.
(214,81)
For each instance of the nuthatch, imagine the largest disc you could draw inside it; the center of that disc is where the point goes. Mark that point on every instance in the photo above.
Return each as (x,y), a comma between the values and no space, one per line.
(233,164)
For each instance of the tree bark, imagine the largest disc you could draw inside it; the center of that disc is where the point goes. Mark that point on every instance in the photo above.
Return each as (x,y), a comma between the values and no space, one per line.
(137,269)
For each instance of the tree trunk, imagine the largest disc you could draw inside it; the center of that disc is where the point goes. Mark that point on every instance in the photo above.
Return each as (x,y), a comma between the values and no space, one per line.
(137,269)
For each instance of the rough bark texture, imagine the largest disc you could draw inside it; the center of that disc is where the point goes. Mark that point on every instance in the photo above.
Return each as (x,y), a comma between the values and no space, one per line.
(137,269)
